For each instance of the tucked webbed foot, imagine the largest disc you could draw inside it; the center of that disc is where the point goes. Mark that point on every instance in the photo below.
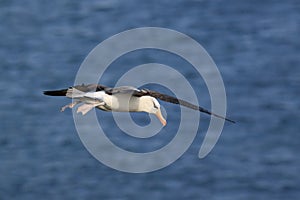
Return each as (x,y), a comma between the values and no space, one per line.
(71,105)
(85,108)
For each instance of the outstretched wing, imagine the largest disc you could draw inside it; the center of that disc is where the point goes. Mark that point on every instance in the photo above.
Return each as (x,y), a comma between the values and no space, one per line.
(174,100)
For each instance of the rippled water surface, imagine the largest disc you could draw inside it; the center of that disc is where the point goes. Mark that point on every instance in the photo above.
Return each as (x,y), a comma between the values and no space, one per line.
(256,47)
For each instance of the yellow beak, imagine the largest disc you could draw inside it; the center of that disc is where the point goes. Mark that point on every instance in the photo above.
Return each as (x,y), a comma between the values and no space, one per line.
(161,118)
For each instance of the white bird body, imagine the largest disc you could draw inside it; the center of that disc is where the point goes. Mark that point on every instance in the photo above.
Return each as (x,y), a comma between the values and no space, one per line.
(118,102)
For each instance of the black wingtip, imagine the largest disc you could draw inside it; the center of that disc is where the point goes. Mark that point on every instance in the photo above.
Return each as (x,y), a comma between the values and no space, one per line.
(46,92)
(229,120)
(55,92)
(213,114)
(226,119)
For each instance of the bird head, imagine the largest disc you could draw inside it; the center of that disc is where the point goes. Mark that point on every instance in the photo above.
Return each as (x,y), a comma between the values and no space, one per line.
(151,105)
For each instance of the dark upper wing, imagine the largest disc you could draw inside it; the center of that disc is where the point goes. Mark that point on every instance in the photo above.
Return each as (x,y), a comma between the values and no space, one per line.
(121,90)
(94,88)
(90,87)
(107,90)
(174,100)
(83,88)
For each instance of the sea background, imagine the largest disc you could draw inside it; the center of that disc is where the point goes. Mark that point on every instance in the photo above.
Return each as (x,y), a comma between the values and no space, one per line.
(255,45)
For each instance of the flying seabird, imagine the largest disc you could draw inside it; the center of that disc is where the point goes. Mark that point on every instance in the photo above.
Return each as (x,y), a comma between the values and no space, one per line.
(121,99)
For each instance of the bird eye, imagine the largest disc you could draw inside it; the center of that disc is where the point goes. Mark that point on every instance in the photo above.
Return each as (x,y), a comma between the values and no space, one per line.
(155,106)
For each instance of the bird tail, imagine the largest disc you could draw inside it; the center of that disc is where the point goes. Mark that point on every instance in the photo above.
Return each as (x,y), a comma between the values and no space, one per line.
(62,92)
(71,92)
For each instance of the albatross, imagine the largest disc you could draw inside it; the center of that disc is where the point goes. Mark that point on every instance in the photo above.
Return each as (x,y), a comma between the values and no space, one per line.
(121,99)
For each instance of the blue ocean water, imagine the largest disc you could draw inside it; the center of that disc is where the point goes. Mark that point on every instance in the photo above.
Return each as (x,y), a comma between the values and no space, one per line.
(256,47)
